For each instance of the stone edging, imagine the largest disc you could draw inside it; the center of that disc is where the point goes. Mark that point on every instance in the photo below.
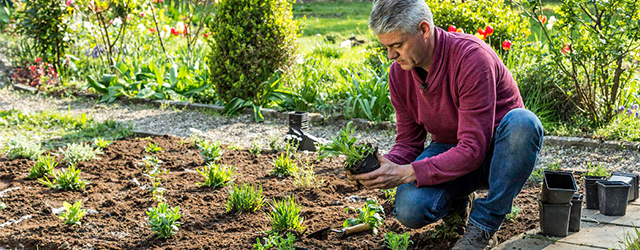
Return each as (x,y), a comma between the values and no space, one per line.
(361,123)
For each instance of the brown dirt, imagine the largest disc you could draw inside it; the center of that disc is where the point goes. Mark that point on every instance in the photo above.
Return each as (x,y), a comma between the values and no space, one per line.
(121,220)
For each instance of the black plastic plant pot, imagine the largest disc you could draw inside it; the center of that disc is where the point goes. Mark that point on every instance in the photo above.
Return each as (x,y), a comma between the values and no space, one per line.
(299,120)
(369,164)
(591,191)
(576,212)
(554,218)
(613,197)
(631,179)
(558,187)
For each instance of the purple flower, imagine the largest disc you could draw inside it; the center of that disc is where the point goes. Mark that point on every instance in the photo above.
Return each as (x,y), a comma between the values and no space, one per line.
(637,114)
(634,106)
(629,111)
(621,108)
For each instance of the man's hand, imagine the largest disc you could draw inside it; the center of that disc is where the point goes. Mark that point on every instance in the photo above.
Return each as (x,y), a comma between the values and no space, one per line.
(389,175)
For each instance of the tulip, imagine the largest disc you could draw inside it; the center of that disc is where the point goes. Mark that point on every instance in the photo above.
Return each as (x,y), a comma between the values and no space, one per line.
(206,35)
(152,30)
(174,32)
(481,36)
(460,30)
(180,28)
(452,28)
(542,18)
(69,2)
(566,48)
(488,30)
(482,32)
(506,45)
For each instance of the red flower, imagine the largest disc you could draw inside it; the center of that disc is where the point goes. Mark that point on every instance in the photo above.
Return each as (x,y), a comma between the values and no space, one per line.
(482,32)
(206,35)
(542,18)
(566,49)
(152,30)
(452,28)
(38,60)
(506,45)
(174,32)
(488,30)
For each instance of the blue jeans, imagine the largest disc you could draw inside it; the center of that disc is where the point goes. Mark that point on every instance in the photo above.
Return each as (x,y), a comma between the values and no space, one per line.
(507,166)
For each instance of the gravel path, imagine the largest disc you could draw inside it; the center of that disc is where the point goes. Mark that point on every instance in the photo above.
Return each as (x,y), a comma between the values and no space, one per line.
(242,130)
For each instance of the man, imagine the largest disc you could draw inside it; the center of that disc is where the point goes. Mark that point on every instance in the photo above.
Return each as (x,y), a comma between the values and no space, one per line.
(455,87)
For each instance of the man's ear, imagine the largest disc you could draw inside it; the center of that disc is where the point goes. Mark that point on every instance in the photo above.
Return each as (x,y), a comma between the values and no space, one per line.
(425,28)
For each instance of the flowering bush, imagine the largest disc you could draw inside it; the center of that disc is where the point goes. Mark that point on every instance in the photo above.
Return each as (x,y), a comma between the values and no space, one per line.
(36,74)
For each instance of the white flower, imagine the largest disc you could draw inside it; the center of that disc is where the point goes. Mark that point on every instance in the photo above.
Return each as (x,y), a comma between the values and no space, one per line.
(141,28)
(117,22)
(180,27)
(552,20)
(346,44)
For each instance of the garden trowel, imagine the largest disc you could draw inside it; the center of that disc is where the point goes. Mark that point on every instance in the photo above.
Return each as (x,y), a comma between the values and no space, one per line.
(323,234)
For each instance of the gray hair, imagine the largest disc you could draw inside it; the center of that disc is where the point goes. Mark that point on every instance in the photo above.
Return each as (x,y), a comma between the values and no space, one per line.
(392,15)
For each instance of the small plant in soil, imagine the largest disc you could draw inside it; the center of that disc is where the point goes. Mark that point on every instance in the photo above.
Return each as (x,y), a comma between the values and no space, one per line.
(345,144)
(215,175)
(211,151)
(101,143)
(67,179)
(245,198)
(234,147)
(73,213)
(275,241)
(449,228)
(78,152)
(153,174)
(397,241)
(164,220)
(538,174)
(596,170)
(21,147)
(256,148)
(515,210)
(291,148)
(305,178)
(152,148)
(285,216)
(44,165)
(390,194)
(2,205)
(274,143)
(371,213)
(283,166)
(150,162)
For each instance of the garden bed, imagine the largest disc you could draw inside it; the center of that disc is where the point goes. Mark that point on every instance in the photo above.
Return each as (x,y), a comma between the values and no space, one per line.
(120,202)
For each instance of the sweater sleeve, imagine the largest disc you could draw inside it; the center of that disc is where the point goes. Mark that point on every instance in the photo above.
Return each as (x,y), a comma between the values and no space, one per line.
(410,135)
(476,88)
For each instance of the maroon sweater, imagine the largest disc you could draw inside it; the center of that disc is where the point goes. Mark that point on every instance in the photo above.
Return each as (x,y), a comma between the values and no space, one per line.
(468,92)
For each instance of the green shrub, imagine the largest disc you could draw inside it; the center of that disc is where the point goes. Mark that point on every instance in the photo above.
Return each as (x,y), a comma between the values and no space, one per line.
(253,39)
(164,221)
(371,213)
(73,213)
(21,147)
(67,179)
(473,15)
(276,241)
(285,216)
(78,152)
(245,198)
(215,175)
(43,166)
(397,241)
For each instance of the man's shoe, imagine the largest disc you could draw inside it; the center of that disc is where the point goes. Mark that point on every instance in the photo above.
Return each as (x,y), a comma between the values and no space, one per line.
(460,216)
(476,239)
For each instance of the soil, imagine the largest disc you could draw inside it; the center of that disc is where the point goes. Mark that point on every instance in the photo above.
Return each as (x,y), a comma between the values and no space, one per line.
(120,221)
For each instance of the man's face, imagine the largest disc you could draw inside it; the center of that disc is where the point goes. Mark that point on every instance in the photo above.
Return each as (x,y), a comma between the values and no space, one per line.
(408,50)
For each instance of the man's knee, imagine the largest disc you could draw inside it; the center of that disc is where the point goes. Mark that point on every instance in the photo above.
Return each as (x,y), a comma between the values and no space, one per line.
(412,211)
(523,127)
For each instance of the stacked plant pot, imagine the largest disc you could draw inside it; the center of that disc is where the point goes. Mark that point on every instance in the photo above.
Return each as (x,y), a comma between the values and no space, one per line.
(613,197)
(591,190)
(558,190)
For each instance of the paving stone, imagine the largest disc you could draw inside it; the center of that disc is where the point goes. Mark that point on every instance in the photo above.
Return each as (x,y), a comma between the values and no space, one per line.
(597,235)
(525,243)
(631,218)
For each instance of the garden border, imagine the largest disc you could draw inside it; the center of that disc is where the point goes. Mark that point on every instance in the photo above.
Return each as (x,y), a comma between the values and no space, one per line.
(316,118)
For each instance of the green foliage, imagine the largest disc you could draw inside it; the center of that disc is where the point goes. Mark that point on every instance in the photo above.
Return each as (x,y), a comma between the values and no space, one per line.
(305,178)
(211,151)
(215,175)
(151,162)
(390,194)
(397,242)
(623,127)
(276,241)
(631,240)
(154,172)
(2,205)
(101,143)
(284,166)
(164,220)
(78,152)
(234,147)
(245,198)
(344,144)
(515,210)
(45,23)
(152,148)
(328,51)
(596,170)
(308,81)
(21,147)
(366,93)
(6,14)
(43,166)
(371,213)
(72,214)
(538,174)
(285,216)
(256,148)
(274,143)
(474,15)
(253,39)
(67,179)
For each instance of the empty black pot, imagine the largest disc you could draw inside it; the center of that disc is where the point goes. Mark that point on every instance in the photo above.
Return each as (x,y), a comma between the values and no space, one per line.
(558,187)
(369,164)
(576,213)
(613,197)
(631,179)
(554,218)
(591,191)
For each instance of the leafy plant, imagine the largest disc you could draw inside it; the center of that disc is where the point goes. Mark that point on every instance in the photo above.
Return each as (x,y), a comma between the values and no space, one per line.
(631,240)
(446,230)
(150,162)
(154,174)
(276,241)
(367,93)
(285,216)
(101,143)
(274,143)
(283,166)
(77,152)
(152,148)
(211,151)
(21,147)
(245,198)
(538,174)
(305,178)
(43,166)
(2,205)
(344,144)
(234,147)
(164,220)
(256,148)
(596,170)
(390,194)
(515,210)
(215,175)
(371,213)
(397,242)
(72,214)
(67,179)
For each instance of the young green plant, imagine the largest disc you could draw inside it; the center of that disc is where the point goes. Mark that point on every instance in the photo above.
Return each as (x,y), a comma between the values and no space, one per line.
(245,198)
(153,174)
(397,241)
(215,175)
(44,166)
(21,147)
(78,152)
(73,213)
(306,178)
(515,210)
(256,148)
(284,166)
(164,220)
(67,179)
(371,213)
(275,241)
(152,148)
(101,143)
(285,216)
(344,144)
(211,151)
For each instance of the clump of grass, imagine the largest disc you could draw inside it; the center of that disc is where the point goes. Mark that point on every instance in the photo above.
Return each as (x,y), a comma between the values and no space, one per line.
(21,147)
(275,241)
(101,143)
(256,148)
(283,166)
(152,148)
(245,198)
(631,240)
(306,177)
(371,213)
(515,211)
(215,175)
(67,179)
(164,221)
(274,143)
(73,213)
(77,152)
(43,166)
(211,151)
(285,216)
(397,241)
